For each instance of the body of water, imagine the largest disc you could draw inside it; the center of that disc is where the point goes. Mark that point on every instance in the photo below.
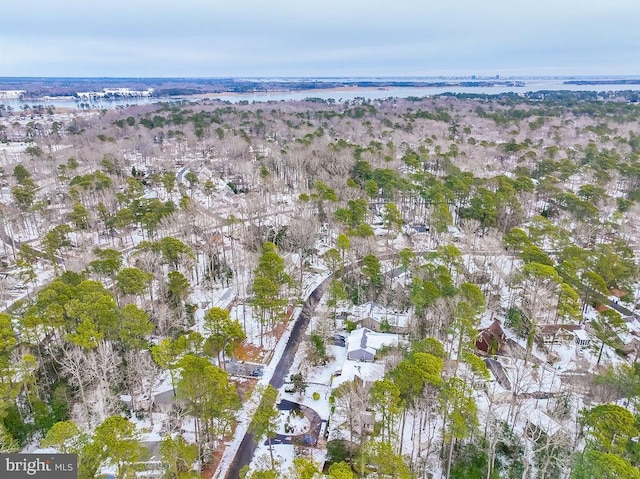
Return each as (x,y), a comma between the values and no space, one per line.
(335,94)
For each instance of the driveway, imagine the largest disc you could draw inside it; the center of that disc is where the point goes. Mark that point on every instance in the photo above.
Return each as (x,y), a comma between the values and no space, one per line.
(244,369)
(496,368)
(315,423)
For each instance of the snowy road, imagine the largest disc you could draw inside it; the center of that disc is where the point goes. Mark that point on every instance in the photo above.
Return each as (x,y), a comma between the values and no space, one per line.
(248,446)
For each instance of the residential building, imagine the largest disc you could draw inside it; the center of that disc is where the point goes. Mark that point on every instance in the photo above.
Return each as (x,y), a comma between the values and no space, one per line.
(492,339)
(558,333)
(357,348)
(377,318)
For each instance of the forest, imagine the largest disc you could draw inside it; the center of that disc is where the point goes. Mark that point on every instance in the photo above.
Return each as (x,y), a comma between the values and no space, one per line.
(403,288)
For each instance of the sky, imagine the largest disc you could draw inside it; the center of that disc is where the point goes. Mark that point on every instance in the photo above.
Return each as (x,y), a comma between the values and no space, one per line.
(311,38)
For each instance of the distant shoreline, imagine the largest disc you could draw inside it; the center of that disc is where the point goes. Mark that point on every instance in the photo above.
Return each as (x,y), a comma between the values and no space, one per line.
(107,90)
(229,90)
(633,81)
(276,92)
(81,89)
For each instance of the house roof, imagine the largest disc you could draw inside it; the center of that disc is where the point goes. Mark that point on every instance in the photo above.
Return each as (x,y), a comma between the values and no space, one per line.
(353,370)
(225,299)
(357,341)
(490,334)
(370,341)
(544,422)
(633,325)
(421,229)
(581,334)
(495,329)
(379,313)
(554,328)
(371,307)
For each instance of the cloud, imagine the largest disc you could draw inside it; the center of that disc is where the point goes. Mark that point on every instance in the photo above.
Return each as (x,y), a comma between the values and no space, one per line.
(332,37)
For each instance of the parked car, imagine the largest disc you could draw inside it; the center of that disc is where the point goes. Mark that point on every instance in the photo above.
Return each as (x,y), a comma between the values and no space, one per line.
(339,340)
(257,373)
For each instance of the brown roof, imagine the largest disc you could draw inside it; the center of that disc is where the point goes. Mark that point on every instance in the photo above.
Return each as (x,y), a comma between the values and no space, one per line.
(554,328)
(494,330)
(491,335)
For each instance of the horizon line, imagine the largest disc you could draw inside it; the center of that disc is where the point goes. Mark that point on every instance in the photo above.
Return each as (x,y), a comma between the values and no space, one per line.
(324,77)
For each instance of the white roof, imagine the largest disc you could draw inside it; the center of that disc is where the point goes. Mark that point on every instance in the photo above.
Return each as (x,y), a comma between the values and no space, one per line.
(363,338)
(371,307)
(358,340)
(378,340)
(368,372)
(225,299)
(633,325)
(581,334)
(374,310)
(545,422)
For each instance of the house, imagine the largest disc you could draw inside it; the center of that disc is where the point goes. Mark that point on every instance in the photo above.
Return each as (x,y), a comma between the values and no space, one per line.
(368,421)
(374,316)
(12,94)
(357,348)
(416,229)
(365,420)
(363,344)
(582,339)
(633,324)
(545,306)
(491,339)
(633,347)
(225,299)
(114,92)
(558,333)
(540,423)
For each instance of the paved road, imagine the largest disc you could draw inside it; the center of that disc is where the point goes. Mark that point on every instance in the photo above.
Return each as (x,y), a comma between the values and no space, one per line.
(248,445)
(15,244)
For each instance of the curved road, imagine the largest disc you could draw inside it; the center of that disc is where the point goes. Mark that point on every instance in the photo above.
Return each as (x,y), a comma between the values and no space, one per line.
(248,445)
(15,245)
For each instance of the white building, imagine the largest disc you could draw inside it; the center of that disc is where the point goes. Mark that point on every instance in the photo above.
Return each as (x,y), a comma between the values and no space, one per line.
(357,348)
(11,94)
(362,344)
(114,92)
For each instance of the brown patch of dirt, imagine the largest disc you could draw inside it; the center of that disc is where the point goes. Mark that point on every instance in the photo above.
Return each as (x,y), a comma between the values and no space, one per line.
(276,333)
(249,352)
(290,311)
(279,329)
(252,353)
(209,469)
(244,387)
